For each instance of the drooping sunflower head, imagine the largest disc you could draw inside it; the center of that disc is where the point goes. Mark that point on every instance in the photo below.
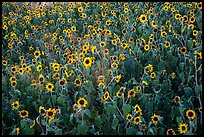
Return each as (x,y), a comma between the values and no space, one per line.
(82,102)
(42,110)
(106,95)
(170,132)
(37,54)
(176,99)
(137,108)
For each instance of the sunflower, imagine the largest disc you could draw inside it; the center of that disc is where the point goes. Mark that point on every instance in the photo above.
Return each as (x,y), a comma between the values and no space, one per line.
(117,79)
(102,44)
(163,33)
(105,51)
(80,9)
(190,114)
(42,110)
(129,117)
(155,119)
(61,82)
(192,19)
(199,54)
(153,24)
(13,78)
(183,127)
(131,93)
(101,84)
(138,88)
(199,5)
(73,28)
(183,50)
(167,44)
(82,102)
(39,67)
(122,56)
(200,109)
(49,86)
(77,82)
(28,69)
(93,49)
(41,78)
(143,18)
(195,32)
(137,120)
(170,132)
(50,113)
(176,99)
(23,114)
(21,71)
(106,95)
(137,108)
(15,105)
(114,42)
(178,16)
(153,75)
(114,65)
(101,79)
(14,70)
(119,94)
(4,62)
(13,84)
(146,47)
(124,45)
(87,62)
(173,75)
(37,54)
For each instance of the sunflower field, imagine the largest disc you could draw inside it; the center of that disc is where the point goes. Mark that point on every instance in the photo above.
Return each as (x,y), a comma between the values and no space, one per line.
(101,68)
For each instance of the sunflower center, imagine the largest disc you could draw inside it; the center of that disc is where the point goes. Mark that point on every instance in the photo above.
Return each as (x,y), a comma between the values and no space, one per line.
(37,54)
(143,18)
(81,102)
(42,111)
(183,127)
(129,117)
(190,114)
(183,49)
(155,119)
(50,113)
(23,113)
(77,82)
(41,79)
(87,61)
(106,95)
(61,82)
(15,105)
(49,86)
(132,92)
(137,119)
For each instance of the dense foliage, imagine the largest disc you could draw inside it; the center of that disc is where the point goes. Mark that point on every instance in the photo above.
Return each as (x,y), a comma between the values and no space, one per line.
(102,68)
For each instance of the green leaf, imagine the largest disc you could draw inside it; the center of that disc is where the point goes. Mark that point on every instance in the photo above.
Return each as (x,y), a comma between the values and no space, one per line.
(126,109)
(23,123)
(60,100)
(87,112)
(58,132)
(131,131)
(115,122)
(179,120)
(98,121)
(188,91)
(35,106)
(139,133)
(198,89)
(82,128)
(182,76)
(111,109)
